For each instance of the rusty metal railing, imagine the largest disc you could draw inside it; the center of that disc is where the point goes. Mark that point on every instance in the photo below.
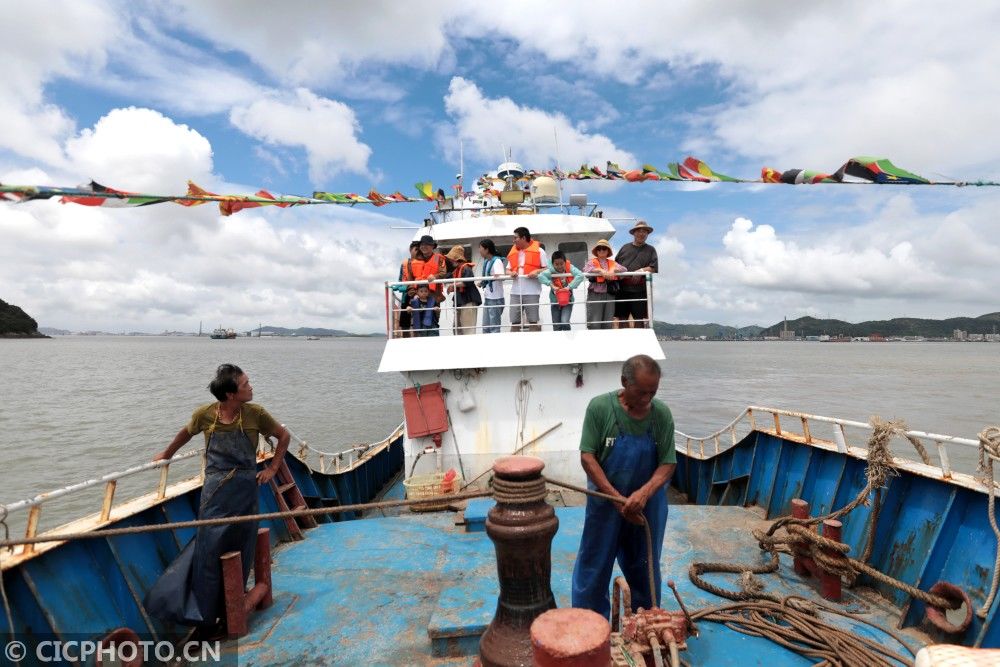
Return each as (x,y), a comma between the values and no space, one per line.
(344,460)
(749,420)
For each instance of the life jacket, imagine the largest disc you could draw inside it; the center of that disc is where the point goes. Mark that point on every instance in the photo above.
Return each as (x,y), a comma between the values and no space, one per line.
(611,267)
(410,269)
(563,283)
(532,258)
(457,273)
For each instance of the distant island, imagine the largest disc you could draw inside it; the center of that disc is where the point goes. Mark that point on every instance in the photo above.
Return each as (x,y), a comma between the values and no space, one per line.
(984,327)
(15,323)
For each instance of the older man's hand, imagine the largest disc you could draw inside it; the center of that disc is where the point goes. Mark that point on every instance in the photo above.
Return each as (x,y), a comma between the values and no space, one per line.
(634,505)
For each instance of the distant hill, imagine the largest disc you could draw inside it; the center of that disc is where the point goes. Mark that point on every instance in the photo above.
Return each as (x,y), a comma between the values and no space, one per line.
(50,331)
(900,326)
(307,331)
(667,330)
(15,323)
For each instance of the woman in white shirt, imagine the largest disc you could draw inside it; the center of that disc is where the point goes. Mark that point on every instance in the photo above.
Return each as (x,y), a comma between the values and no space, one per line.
(493,303)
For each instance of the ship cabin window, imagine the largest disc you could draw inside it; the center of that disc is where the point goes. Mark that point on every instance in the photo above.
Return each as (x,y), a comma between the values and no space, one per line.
(576,252)
(504,250)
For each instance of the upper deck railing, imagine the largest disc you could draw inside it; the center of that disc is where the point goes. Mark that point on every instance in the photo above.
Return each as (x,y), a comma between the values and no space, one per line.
(447,322)
(450,210)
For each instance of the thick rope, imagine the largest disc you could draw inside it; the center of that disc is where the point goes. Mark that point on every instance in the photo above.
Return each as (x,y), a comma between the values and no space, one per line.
(645,525)
(195,523)
(793,622)
(880,468)
(989,451)
(519,492)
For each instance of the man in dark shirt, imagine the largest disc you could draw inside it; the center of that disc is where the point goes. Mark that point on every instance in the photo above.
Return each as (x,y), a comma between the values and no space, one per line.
(632,297)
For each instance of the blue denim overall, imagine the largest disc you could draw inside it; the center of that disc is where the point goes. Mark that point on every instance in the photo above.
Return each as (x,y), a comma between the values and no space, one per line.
(607,535)
(190,590)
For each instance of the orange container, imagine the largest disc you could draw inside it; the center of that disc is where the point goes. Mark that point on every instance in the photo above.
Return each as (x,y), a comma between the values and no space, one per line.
(424,410)
(562,297)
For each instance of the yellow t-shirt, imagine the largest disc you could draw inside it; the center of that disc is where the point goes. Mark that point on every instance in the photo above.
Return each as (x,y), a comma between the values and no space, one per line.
(253,419)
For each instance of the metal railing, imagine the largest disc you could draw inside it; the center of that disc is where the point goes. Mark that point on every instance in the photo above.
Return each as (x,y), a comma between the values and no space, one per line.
(345,459)
(729,435)
(445,318)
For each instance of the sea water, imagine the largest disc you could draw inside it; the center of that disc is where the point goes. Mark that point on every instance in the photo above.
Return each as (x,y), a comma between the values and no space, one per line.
(76,407)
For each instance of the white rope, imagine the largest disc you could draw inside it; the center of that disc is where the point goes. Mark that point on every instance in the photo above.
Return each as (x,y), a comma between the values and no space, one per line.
(522,393)
(989,451)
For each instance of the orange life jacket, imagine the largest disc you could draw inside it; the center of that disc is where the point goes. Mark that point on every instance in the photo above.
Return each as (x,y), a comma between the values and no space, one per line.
(611,267)
(563,283)
(532,258)
(457,273)
(410,269)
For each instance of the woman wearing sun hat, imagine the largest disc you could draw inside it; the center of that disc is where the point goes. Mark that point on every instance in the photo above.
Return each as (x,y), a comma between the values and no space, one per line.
(603,286)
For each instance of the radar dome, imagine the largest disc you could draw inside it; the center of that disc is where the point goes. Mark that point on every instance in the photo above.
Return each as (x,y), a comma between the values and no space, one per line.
(545,190)
(510,170)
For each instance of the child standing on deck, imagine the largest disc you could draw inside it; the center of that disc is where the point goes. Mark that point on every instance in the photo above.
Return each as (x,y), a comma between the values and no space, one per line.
(561,293)
(422,308)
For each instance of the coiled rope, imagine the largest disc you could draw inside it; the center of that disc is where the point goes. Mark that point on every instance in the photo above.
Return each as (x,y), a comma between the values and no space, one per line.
(880,468)
(989,451)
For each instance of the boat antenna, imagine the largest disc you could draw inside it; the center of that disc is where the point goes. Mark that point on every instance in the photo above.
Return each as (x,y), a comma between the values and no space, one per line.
(461,164)
(555,136)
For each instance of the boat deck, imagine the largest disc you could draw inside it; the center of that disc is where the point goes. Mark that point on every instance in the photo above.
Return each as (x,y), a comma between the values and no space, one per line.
(417,589)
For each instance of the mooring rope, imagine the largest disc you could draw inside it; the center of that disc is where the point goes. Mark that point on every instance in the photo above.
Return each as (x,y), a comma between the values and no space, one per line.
(195,523)
(989,451)
(645,525)
(793,622)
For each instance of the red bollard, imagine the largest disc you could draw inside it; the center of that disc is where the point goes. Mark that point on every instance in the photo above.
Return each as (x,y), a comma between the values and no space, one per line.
(803,563)
(238,602)
(571,638)
(829,584)
(800,510)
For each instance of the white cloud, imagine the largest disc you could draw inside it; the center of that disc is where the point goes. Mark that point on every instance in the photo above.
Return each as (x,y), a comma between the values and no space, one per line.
(325,128)
(42,41)
(756,257)
(530,134)
(322,43)
(140,150)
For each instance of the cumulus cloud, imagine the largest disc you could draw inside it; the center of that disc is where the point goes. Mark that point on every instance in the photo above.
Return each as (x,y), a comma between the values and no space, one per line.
(530,133)
(142,150)
(756,257)
(51,45)
(325,128)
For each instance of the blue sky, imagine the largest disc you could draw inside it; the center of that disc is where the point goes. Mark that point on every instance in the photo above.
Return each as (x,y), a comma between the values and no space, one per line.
(239,95)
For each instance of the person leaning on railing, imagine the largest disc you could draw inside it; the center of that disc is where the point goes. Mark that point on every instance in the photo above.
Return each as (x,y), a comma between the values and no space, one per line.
(603,286)
(525,261)
(429,265)
(467,298)
(493,267)
(635,256)
(561,292)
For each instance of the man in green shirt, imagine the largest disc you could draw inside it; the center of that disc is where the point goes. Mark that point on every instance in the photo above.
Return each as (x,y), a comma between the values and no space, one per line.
(190,590)
(627,451)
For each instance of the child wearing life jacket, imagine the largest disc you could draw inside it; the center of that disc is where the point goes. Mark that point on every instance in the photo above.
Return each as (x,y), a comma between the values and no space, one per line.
(422,308)
(561,292)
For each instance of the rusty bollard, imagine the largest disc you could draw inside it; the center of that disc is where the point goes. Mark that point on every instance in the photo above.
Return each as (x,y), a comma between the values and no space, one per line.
(522,526)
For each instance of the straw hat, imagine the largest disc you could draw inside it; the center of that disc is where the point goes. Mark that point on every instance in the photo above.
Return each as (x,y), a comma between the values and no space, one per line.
(642,224)
(456,254)
(601,244)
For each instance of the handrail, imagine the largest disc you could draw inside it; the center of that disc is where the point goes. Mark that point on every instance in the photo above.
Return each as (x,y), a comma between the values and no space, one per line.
(355,455)
(448,281)
(110,477)
(840,437)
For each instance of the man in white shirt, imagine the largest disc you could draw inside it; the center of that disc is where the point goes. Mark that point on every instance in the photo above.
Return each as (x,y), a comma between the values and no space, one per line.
(525,261)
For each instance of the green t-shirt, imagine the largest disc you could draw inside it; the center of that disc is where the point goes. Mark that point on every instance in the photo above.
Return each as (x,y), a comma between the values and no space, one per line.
(600,427)
(255,420)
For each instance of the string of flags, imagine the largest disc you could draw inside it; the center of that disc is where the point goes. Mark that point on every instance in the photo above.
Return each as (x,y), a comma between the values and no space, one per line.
(857,170)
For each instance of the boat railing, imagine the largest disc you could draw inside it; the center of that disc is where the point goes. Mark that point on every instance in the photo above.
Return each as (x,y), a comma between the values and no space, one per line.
(777,421)
(450,209)
(447,321)
(344,460)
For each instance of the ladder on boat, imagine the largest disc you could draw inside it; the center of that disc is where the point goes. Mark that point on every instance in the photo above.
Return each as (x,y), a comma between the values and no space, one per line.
(287,493)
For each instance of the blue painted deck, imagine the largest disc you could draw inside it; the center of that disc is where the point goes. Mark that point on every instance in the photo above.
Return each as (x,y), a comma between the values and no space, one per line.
(376,591)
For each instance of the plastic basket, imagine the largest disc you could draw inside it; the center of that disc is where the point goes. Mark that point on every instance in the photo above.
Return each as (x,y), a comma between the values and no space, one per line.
(429,486)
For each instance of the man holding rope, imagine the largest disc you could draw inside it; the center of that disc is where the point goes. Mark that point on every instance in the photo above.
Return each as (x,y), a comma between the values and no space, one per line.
(627,451)
(190,590)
